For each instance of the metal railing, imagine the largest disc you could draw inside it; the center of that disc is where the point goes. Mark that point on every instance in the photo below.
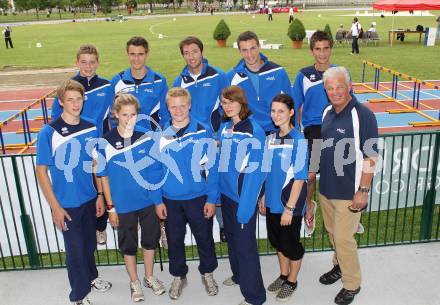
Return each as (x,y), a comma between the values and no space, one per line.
(403,208)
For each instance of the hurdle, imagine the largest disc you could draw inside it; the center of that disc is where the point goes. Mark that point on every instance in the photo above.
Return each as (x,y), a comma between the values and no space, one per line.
(25,129)
(394,91)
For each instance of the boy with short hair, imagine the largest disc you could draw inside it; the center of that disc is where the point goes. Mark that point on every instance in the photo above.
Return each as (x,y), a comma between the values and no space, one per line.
(71,194)
(147,85)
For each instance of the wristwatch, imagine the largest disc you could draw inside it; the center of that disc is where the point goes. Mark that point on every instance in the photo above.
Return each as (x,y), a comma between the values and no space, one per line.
(364,189)
(100,193)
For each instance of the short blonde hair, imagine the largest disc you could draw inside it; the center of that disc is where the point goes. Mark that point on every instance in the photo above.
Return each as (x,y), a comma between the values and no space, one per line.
(178,92)
(69,85)
(87,49)
(125,99)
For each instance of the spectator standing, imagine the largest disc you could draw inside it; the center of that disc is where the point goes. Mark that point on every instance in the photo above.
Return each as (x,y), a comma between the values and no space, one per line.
(291,14)
(356,28)
(7,35)
(269,14)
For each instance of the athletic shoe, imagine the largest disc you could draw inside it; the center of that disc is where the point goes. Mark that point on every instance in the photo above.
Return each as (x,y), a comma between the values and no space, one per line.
(176,287)
(276,285)
(286,291)
(211,286)
(101,285)
(310,223)
(163,236)
(244,303)
(345,297)
(101,237)
(84,301)
(155,284)
(229,282)
(331,277)
(137,294)
(360,229)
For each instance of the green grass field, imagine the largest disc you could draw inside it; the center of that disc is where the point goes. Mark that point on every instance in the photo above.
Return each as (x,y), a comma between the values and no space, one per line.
(60,42)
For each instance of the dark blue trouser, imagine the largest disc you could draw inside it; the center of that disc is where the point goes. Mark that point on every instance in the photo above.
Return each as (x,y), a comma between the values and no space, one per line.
(80,244)
(355,45)
(179,213)
(243,253)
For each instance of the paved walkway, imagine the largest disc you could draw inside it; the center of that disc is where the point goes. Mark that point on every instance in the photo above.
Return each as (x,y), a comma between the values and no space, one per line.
(395,275)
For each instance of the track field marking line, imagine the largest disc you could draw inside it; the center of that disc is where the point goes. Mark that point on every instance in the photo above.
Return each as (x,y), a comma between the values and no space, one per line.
(436,96)
(151,28)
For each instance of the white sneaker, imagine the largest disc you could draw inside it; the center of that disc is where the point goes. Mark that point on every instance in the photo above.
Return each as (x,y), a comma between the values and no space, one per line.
(310,223)
(84,301)
(101,285)
(137,294)
(155,284)
(101,237)
(176,287)
(229,282)
(360,229)
(244,303)
(211,286)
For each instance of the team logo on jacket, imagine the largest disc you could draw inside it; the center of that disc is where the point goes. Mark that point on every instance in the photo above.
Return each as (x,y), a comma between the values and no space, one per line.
(118,145)
(64,130)
(142,151)
(101,94)
(270,78)
(206,85)
(340,130)
(148,90)
(312,77)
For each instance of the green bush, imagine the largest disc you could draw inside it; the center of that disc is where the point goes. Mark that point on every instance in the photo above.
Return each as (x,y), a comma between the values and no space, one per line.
(328,30)
(222,31)
(296,31)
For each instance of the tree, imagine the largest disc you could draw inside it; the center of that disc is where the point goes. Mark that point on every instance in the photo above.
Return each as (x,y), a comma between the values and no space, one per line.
(328,31)
(4,4)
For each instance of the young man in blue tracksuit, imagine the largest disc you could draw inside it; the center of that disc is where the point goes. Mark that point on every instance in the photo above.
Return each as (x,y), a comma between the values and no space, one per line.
(147,85)
(203,81)
(71,194)
(190,190)
(97,101)
(129,179)
(260,79)
(205,84)
(240,181)
(310,101)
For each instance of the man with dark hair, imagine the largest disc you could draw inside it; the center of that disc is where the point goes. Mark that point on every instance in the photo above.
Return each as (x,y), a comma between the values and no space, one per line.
(205,84)
(260,79)
(147,85)
(344,185)
(203,81)
(310,101)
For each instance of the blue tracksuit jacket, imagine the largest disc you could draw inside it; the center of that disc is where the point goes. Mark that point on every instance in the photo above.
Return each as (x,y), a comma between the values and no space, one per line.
(273,79)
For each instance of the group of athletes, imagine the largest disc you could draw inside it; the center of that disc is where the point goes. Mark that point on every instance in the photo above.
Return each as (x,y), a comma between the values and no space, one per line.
(136,153)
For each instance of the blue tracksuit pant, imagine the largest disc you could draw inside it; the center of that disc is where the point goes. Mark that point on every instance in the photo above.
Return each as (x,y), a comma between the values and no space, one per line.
(181,212)
(243,253)
(80,244)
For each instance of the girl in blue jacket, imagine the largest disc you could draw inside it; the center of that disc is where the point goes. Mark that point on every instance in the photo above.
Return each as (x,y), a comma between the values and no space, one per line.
(241,142)
(285,195)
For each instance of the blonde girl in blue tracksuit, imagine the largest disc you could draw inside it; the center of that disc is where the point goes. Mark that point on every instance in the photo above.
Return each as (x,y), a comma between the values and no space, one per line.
(241,142)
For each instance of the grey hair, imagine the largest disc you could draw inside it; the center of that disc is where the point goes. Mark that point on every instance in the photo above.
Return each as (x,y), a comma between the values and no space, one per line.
(334,71)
